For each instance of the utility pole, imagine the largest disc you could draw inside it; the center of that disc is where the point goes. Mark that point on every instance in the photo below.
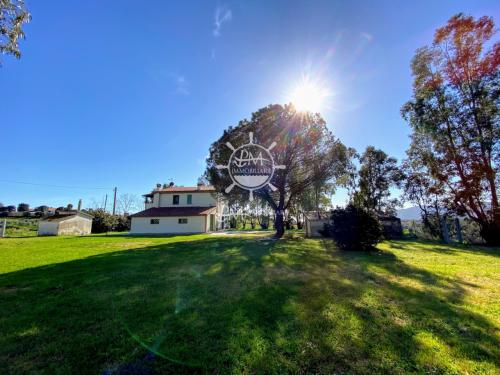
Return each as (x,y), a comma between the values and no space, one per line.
(2,228)
(114,201)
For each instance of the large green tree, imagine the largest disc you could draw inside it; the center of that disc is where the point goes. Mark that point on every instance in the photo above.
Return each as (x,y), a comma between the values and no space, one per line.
(455,104)
(305,147)
(377,174)
(13,15)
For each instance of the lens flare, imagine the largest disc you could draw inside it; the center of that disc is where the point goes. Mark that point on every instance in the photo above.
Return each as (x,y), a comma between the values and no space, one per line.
(308,96)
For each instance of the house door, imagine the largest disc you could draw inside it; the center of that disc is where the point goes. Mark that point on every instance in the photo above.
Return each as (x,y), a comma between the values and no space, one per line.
(212,222)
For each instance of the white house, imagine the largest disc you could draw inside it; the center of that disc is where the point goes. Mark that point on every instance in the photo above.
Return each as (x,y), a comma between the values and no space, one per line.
(65,224)
(177,209)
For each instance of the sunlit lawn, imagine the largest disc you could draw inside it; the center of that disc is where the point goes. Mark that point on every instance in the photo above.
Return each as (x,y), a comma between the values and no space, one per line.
(244,304)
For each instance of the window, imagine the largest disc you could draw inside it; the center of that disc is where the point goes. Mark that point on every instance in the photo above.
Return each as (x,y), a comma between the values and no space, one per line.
(154,221)
(175,199)
(183,221)
(190,199)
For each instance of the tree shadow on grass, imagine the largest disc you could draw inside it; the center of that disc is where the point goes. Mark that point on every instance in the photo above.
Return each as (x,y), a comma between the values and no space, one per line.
(416,318)
(130,235)
(438,247)
(236,305)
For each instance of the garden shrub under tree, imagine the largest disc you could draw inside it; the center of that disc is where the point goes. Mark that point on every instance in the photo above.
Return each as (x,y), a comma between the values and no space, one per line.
(102,221)
(353,228)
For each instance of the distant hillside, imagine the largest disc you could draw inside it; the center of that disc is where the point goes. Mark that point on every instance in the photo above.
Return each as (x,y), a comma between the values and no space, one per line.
(410,213)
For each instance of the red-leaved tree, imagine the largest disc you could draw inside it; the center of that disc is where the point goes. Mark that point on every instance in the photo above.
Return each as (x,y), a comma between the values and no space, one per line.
(455,105)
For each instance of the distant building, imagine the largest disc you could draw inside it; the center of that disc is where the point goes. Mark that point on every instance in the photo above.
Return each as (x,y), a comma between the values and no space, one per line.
(315,221)
(391,226)
(70,223)
(177,209)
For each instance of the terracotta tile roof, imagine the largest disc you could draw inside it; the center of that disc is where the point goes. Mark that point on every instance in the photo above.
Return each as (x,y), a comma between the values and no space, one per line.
(63,216)
(174,211)
(183,189)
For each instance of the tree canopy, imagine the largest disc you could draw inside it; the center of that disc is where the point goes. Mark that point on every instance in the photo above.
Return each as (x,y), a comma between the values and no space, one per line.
(305,146)
(377,174)
(455,105)
(13,15)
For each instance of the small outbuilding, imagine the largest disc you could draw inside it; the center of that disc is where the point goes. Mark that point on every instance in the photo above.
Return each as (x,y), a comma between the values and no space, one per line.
(74,223)
(315,221)
(391,225)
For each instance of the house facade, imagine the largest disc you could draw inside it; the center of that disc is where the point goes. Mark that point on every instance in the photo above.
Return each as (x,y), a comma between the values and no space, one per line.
(177,209)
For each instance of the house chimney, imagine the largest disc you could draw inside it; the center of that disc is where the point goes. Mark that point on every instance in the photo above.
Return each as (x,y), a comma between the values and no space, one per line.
(80,204)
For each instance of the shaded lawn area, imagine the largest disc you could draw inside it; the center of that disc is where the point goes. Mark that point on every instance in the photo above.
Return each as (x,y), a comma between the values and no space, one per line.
(243,304)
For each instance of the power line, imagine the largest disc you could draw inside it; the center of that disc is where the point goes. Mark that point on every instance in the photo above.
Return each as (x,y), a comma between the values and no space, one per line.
(57,186)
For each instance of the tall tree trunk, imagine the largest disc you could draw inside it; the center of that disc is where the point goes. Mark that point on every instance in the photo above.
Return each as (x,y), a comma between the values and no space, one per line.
(279,224)
(490,231)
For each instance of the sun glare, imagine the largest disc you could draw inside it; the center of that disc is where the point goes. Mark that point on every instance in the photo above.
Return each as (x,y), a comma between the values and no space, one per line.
(308,96)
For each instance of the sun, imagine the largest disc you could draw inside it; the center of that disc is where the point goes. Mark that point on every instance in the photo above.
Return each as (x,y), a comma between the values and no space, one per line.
(308,96)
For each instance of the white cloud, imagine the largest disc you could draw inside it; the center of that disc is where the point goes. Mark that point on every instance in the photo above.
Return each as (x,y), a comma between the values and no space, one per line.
(367,36)
(182,85)
(222,15)
(330,53)
(364,40)
(177,83)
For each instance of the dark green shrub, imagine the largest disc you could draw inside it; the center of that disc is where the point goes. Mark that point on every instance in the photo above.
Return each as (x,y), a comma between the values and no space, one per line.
(353,228)
(103,221)
(122,224)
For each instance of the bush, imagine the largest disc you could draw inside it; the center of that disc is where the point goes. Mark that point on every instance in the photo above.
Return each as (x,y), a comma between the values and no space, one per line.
(103,221)
(353,228)
(123,224)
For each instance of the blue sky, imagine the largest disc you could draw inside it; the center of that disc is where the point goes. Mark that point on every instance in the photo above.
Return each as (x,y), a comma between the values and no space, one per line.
(128,94)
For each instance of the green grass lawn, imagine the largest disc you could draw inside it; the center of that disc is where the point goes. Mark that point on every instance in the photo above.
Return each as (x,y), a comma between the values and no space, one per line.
(244,304)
